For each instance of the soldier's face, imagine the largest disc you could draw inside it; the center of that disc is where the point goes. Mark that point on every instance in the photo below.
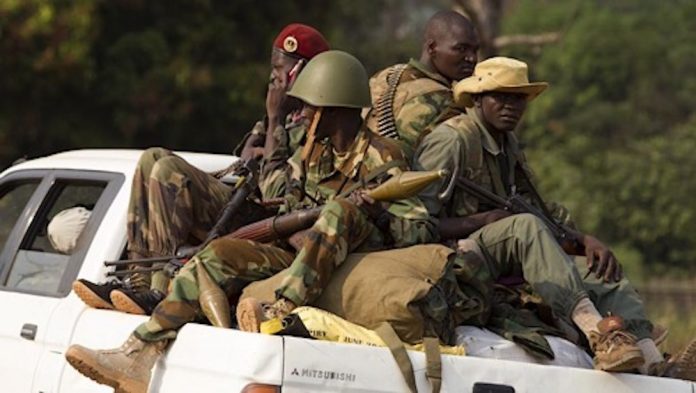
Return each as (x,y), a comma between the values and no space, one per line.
(312,114)
(501,111)
(307,113)
(455,54)
(326,124)
(281,65)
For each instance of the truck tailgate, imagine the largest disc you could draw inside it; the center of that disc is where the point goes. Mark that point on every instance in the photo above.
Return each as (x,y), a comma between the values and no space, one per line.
(208,359)
(318,366)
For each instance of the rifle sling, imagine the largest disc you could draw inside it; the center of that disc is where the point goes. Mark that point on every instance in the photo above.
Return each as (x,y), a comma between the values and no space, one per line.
(535,193)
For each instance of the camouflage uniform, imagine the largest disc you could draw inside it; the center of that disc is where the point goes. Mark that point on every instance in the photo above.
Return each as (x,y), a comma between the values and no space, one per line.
(289,139)
(520,244)
(161,212)
(340,229)
(422,96)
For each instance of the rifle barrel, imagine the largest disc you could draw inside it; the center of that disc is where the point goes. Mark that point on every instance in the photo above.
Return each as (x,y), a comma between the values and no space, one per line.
(481,193)
(128,272)
(140,261)
(516,205)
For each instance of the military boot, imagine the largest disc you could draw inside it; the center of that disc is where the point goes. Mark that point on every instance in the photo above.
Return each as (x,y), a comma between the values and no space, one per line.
(127,369)
(136,302)
(251,313)
(680,366)
(615,349)
(95,295)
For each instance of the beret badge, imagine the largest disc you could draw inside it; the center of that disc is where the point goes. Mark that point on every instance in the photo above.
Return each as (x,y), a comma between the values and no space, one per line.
(290,44)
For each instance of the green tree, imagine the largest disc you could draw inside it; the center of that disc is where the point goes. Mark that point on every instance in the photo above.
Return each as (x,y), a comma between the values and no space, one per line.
(611,137)
(188,75)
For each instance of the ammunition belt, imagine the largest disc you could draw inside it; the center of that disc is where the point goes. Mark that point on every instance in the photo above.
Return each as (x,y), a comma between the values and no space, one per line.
(386,124)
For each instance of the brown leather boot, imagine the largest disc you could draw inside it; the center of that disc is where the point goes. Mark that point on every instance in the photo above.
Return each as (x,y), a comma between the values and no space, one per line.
(680,366)
(251,313)
(127,369)
(615,349)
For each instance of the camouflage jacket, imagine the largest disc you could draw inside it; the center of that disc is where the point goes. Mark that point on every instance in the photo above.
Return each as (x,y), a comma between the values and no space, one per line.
(421,97)
(463,145)
(289,139)
(325,175)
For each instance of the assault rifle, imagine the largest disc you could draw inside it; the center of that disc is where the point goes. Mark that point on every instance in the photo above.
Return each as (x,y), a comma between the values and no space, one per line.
(404,185)
(245,186)
(516,204)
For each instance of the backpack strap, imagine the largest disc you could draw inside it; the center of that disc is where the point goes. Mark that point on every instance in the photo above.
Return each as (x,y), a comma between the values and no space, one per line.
(431,345)
(433,370)
(386,332)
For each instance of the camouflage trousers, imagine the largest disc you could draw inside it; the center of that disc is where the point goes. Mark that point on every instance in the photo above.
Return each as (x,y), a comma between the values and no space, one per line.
(171,203)
(523,246)
(340,229)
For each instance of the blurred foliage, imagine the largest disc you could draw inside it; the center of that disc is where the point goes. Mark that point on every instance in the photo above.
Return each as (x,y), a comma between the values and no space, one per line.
(186,74)
(612,138)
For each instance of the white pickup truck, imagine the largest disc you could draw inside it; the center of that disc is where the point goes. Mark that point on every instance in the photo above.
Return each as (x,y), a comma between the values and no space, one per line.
(40,317)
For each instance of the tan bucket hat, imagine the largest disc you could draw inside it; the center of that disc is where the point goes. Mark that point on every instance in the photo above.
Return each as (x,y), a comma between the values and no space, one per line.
(497,74)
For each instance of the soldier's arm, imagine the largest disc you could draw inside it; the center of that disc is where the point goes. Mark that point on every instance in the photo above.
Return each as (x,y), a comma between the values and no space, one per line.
(420,113)
(438,150)
(445,149)
(251,145)
(288,140)
(408,219)
(275,166)
(291,190)
(462,227)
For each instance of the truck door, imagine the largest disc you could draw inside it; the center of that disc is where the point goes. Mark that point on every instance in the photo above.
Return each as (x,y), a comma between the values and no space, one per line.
(35,277)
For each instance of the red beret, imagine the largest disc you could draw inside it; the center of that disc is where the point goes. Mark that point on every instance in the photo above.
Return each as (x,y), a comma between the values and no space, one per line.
(301,40)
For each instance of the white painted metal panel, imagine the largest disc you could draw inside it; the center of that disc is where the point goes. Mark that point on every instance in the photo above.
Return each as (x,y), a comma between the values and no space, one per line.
(318,366)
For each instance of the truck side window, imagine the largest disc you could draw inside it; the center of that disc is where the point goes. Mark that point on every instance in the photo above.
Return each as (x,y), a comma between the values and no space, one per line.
(41,261)
(12,202)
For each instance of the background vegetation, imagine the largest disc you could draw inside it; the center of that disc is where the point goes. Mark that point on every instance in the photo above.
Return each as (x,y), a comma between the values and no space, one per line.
(613,138)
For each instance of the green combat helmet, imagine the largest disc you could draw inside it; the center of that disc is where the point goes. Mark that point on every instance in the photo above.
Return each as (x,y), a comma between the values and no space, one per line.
(333,78)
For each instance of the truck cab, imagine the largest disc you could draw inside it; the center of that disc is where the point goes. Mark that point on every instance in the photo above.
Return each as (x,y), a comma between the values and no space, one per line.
(41,317)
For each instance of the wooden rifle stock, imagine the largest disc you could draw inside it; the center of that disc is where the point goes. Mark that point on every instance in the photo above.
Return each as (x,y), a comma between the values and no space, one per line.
(278,227)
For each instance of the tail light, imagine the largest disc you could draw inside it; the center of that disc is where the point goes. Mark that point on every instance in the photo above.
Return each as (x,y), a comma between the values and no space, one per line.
(260,388)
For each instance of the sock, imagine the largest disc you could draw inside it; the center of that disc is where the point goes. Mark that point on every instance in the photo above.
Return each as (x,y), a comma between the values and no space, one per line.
(651,354)
(586,316)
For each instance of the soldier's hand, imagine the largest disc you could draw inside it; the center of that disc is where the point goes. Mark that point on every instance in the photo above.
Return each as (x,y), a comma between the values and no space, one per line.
(495,215)
(368,205)
(276,97)
(250,153)
(601,260)
(297,239)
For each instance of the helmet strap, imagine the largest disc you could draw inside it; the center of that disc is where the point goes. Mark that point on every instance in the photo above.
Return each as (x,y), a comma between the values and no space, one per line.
(311,134)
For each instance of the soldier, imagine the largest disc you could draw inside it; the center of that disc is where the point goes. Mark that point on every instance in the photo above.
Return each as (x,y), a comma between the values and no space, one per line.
(481,145)
(344,155)
(410,98)
(162,215)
